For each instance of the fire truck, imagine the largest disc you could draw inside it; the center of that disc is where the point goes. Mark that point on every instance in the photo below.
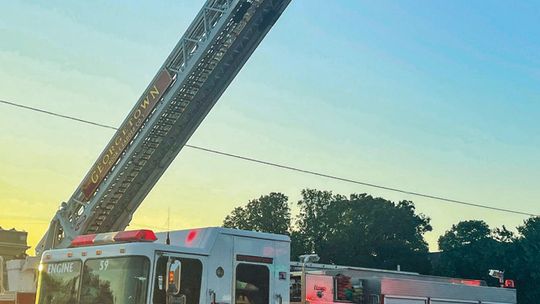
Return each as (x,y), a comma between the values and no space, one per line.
(229,266)
(83,261)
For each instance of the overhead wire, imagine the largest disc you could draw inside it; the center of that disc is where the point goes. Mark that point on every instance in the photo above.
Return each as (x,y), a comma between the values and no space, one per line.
(57,115)
(290,168)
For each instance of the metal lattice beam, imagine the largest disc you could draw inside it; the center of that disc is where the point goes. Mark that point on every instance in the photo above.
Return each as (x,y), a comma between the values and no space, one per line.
(204,62)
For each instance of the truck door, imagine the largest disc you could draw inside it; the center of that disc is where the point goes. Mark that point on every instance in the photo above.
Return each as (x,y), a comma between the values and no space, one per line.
(190,278)
(261,271)
(252,283)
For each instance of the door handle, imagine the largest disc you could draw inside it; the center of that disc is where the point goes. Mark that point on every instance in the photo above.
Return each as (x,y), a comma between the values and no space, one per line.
(212,296)
(279,298)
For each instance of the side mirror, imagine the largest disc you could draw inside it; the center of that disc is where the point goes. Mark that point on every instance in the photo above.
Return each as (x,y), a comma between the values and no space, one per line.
(174,273)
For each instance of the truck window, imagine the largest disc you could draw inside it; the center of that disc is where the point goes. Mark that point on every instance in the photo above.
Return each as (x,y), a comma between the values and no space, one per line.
(58,282)
(252,284)
(296,288)
(115,280)
(190,284)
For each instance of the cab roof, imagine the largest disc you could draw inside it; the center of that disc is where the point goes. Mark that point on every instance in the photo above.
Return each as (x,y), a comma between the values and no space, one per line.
(192,241)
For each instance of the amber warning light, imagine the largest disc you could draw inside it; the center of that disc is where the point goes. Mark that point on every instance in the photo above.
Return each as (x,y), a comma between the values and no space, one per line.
(171,277)
(114,237)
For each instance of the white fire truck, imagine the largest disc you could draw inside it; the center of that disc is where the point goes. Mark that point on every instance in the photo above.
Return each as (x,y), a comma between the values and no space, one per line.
(228,266)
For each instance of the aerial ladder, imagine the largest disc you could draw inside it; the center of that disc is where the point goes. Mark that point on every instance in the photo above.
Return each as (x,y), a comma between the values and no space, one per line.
(204,62)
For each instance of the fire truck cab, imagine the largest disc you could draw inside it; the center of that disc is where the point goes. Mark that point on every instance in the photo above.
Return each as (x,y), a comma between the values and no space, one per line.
(208,265)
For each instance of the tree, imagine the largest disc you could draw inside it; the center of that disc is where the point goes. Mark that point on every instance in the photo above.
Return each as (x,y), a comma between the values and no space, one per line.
(463,234)
(314,222)
(470,249)
(526,257)
(361,231)
(269,213)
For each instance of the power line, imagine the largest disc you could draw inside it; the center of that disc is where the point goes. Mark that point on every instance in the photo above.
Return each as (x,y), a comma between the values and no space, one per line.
(334,177)
(290,168)
(58,115)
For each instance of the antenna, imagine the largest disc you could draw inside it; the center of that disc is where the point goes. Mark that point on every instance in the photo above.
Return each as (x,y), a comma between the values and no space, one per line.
(168,240)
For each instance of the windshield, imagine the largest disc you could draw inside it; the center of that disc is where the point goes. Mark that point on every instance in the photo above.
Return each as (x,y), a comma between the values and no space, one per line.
(105,281)
(59,282)
(115,281)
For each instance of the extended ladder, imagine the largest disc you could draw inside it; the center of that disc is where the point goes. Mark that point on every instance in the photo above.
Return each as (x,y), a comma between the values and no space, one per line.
(201,66)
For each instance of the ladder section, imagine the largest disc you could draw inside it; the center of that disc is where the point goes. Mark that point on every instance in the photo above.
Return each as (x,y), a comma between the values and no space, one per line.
(214,48)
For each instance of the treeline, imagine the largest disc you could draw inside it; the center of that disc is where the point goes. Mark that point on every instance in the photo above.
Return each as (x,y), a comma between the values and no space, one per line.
(361,230)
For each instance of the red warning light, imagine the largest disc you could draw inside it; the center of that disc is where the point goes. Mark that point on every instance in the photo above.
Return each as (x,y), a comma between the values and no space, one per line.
(83,240)
(472,282)
(509,284)
(191,236)
(468,282)
(142,235)
(114,237)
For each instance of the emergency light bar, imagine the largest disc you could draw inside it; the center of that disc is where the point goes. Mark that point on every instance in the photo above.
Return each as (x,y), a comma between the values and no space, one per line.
(142,235)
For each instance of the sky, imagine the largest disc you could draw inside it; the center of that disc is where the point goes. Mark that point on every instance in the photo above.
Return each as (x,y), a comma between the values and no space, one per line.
(439,97)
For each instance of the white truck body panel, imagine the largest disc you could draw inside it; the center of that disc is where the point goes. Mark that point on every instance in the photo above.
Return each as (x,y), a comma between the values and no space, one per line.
(446,293)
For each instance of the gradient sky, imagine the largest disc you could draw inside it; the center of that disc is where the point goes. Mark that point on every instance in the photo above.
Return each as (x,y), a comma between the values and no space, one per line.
(441,97)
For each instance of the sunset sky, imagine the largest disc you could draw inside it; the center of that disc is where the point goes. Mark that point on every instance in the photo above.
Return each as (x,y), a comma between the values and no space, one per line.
(439,97)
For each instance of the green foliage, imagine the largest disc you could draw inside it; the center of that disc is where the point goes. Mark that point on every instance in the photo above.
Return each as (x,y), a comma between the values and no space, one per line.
(362,231)
(470,249)
(358,230)
(268,213)
(526,261)
(463,234)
